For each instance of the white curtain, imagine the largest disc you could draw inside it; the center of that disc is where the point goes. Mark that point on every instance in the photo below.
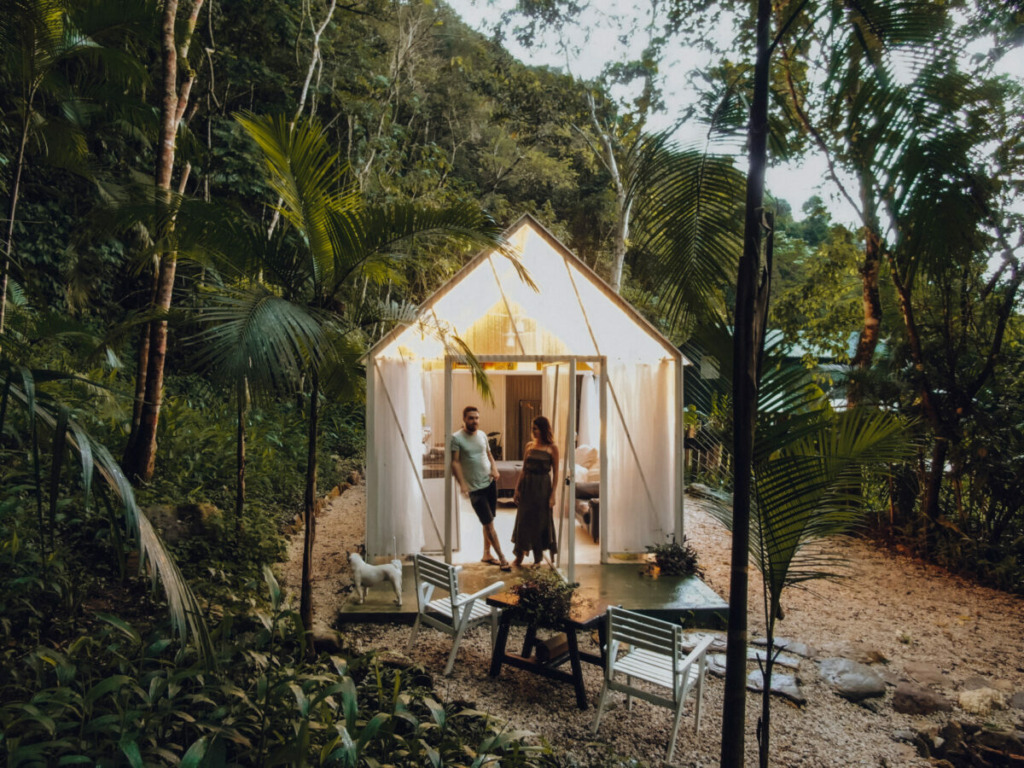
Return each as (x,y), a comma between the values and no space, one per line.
(641,476)
(398,418)
(555,405)
(590,412)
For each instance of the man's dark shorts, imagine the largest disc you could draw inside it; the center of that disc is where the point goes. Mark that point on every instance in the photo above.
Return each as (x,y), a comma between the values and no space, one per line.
(484,502)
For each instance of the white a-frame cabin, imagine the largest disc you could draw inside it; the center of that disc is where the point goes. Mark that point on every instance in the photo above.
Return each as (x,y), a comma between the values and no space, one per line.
(567,347)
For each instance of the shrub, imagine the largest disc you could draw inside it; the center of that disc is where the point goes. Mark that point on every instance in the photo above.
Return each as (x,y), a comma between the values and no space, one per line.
(116,695)
(675,558)
(544,599)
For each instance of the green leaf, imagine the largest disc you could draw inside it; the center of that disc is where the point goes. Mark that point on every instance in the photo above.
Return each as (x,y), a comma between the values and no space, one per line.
(122,625)
(108,685)
(130,747)
(194,756)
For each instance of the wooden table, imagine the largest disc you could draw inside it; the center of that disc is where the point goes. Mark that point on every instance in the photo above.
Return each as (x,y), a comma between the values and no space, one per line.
(583,615)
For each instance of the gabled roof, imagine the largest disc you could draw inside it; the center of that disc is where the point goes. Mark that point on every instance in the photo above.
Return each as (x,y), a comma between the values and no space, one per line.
(572,311)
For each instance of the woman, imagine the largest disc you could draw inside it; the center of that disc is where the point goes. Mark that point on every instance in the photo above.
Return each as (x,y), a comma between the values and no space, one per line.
(535,495)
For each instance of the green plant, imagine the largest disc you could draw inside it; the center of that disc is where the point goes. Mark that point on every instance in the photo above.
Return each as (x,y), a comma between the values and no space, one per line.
(114,692)
(544,598)
(675,558)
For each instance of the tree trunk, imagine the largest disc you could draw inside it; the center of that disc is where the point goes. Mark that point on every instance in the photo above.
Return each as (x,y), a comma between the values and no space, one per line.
(140,458)
(12,211)
(936,473)
(141,369)
(622,201)
(309,513)
(242,396)
(772,610)
(872,304)
(751,310)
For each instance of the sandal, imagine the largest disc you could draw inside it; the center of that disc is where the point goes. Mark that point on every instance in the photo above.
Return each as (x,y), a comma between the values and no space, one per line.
(505,566)
(490,561)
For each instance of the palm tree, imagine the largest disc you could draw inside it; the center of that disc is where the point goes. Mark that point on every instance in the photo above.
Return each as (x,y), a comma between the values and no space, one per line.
(810,467)
(41,42)
(289,317)
(873,26)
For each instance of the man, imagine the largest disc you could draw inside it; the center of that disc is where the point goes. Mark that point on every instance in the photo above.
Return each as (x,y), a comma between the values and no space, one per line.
(475,470)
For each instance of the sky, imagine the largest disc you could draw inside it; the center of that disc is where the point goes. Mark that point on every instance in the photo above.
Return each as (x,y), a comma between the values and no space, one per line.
(794,183)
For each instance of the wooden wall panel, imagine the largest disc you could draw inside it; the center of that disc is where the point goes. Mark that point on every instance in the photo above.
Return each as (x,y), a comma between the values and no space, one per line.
(519,390)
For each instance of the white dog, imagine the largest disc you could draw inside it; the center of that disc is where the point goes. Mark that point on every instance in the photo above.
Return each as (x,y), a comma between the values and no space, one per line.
(365,576)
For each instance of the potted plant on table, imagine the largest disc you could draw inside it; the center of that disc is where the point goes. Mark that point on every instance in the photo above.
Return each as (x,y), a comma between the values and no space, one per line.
(672,558)
(544,599)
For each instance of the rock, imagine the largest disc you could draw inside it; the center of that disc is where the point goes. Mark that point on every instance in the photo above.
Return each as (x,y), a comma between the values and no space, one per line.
(974,682)
(353,478)
(782,660)
(176,522)
(701,491)
(327,640)
(716,661)
(789,645)
(782,685)
(981,701)
(904,735)
(1017,700)
(716,664)
(855,652)
(926,674)
(890,677)
(1001,741)
(872,705)
(911,699)
(692,639)
(850,679)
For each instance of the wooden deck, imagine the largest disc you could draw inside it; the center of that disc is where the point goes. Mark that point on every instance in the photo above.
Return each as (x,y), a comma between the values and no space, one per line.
(672,598)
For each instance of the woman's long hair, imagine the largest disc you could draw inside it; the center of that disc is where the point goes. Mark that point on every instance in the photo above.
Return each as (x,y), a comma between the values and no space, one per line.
(544,427)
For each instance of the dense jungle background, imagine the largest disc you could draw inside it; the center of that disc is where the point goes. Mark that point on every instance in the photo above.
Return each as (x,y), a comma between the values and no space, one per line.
(212,209)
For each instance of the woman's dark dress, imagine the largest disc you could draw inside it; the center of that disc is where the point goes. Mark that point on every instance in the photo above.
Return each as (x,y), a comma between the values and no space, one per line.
(535,525)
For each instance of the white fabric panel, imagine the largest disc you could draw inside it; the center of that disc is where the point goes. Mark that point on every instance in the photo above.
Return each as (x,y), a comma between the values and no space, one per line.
(555,405)
(590,412)
(433,400)
(639,512)
(398,411)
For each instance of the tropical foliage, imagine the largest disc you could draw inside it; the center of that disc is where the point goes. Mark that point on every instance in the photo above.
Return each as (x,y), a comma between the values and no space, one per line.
(212,209)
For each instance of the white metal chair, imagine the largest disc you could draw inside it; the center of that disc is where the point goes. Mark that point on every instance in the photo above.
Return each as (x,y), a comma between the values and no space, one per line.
(656,656)
(453,613)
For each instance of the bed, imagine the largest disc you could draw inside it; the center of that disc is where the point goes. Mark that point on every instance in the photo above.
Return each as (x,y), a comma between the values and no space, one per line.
(508,471)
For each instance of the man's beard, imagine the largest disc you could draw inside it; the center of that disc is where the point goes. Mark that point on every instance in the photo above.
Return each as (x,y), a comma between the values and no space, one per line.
(471,429)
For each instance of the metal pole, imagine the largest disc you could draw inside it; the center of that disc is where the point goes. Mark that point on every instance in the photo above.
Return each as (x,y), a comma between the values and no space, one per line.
(448,514)
(570,477)
(603,459)
(680,452)
(372,497)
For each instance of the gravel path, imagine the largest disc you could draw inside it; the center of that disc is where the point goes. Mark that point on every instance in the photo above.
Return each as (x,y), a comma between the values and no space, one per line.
(903,610)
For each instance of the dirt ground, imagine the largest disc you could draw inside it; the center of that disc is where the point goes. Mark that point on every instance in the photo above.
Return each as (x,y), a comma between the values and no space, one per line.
(896,610)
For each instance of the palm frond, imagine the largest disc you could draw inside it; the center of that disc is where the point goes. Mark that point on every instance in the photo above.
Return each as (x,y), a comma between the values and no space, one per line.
(375,233)
(21,385)
(686,227)
(253,332)
(310,181)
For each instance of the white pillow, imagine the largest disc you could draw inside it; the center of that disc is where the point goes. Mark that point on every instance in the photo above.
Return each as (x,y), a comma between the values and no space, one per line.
(581,473)
(593,476)
(586,455)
